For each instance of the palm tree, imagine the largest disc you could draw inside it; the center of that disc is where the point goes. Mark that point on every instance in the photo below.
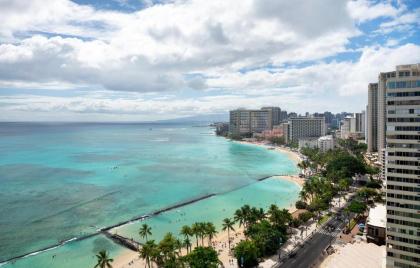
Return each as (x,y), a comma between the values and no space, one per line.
(178,245)
(202,231)
(168,248)
(343,185)
(243,215)
(145,230)
(103,260)
(210,231)
(272,208)
(239,217)
(304,165)
(187,244)
(147,251)
(280,217)
(228,225)
(304,195)
(195,229)
(308,189)
(255,215)
(186,231)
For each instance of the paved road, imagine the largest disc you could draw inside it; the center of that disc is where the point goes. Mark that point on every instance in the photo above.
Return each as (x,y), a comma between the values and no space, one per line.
(314,247)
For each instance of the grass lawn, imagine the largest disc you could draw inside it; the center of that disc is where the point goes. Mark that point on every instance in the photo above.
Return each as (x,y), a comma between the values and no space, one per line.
(352,224)
(324,219)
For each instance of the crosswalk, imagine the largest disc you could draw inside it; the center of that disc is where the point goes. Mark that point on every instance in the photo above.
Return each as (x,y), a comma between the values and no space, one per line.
(329,233)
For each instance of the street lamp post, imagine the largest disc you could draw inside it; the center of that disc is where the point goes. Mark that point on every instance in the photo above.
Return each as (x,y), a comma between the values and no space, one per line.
(280,244)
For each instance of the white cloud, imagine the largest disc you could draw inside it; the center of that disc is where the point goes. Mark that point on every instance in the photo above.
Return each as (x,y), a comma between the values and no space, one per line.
(191,44)
(365,10)
(153,49)
(408,22)
(347,78)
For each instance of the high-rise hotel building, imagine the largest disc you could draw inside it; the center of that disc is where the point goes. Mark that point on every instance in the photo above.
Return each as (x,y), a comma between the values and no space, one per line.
(306,127)
(372,121)
(242,121)
(403,166)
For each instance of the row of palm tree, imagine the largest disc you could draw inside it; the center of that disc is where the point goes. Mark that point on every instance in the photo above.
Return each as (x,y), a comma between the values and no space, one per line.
(167,251)
(246,216)
(199,230)
(314,187)
(170,247)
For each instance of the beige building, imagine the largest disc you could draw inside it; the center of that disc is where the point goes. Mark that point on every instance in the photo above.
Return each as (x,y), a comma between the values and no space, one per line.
(402,167)
(275,114)
(242,121)
(306,127)
(353,126)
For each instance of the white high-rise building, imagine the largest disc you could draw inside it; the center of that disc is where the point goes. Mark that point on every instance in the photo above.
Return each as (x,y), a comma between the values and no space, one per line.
(403,167)
(306,127)
(372,120)
(382,92)
(326,143)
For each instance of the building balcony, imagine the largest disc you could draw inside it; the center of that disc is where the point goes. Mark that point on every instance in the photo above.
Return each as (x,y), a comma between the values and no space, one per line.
(399,200)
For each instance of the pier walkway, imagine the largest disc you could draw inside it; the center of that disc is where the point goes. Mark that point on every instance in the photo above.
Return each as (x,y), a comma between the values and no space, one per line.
(123,241)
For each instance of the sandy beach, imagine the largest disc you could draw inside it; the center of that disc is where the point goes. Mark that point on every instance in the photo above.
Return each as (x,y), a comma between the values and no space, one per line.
(220,242)
(294,156)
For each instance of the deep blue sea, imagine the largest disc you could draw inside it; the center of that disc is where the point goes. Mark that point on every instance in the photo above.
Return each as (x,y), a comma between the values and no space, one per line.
(64,180)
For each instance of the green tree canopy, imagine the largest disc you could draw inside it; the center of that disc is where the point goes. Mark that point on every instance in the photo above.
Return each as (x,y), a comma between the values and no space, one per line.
(357,207)
(246,253)
(277,140)
(306,216)
(266,237)
(202,257)
(367,194)
(343,166)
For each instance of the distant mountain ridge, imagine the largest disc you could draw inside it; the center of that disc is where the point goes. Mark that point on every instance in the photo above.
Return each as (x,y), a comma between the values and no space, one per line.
(198,119)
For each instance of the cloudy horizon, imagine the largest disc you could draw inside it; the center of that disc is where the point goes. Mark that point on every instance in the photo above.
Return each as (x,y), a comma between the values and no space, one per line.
(145,60)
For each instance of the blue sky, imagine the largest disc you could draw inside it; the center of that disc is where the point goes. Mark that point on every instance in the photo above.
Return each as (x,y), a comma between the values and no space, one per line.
(142,60)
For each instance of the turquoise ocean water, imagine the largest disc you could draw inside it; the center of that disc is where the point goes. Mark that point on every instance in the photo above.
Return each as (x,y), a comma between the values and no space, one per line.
(59,181)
